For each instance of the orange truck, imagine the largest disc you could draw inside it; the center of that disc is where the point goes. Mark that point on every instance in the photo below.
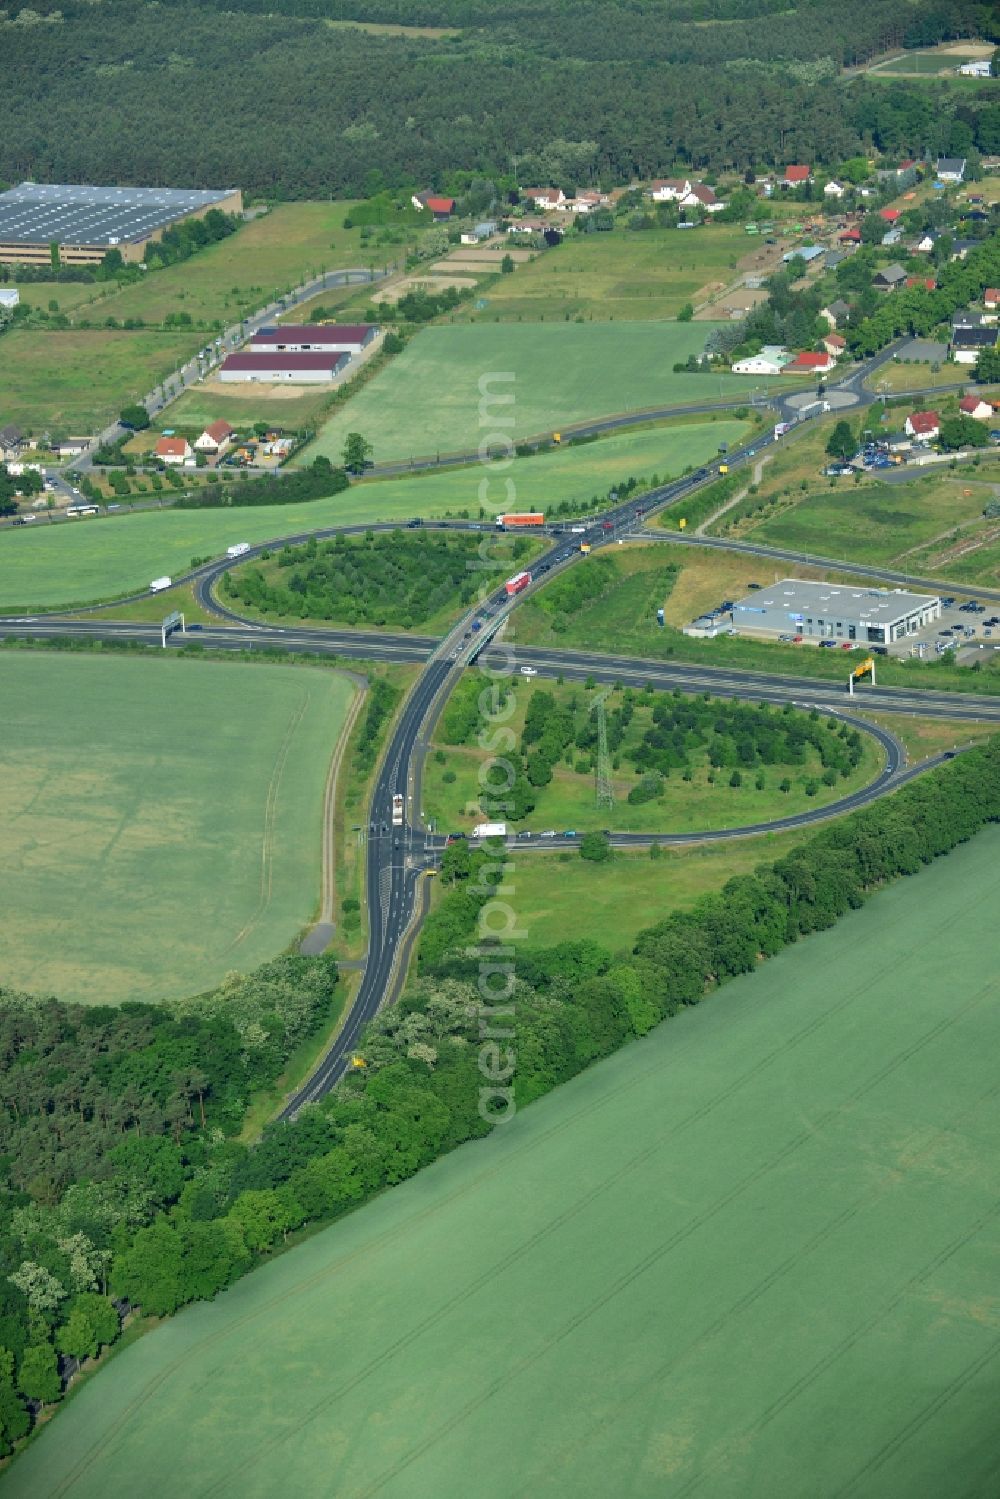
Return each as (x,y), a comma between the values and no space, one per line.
(512,520)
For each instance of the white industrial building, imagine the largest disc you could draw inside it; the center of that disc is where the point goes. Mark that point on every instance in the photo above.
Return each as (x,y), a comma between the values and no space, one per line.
(832,611)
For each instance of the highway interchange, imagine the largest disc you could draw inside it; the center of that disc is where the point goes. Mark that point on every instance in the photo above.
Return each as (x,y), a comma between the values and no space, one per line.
(398,858)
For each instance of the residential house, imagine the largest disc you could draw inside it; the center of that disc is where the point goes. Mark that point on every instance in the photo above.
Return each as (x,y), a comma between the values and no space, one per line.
(925,283)
(926,242)
(544,197)
(174,450)
(892,236)
(771,360)
(11,441)
(836,312)
(587,202)
(833,190)
(810,363)
(850,237)
(980,67)
(898,442)
(834,258)
(960,248)
(950,168)
(834,344)
(795,176)
(71,447)
(9,298)
(702,197)
(969,318)
(976,407)
(889,214)
(991,301)
(968,343)
(669,189)
(890,278)
(215,439)
(440,207)
(924,426)
(526,226)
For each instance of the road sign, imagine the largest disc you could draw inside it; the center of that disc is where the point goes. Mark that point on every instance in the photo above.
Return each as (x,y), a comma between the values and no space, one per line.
(170,623)
(682,523)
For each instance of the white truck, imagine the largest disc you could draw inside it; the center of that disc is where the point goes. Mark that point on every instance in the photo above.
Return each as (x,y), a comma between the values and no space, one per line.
(159,584)
(238,549)
(490,830)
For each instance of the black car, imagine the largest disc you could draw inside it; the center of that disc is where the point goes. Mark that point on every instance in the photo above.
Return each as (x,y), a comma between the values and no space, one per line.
(412,524)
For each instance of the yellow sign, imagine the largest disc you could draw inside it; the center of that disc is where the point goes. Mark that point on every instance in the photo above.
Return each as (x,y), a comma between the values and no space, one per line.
(358,1062)
(868,664)
(585,547)
(682,523)
(557,437)
(723,468)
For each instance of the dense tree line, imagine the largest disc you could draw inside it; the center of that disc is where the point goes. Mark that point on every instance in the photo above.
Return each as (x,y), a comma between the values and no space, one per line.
(201,96)
(381,578)
(288,487)
(106,1118)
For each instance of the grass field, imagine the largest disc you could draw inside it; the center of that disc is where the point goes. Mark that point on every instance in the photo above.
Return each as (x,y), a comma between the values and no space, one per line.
(752,1255)
(78,379)
(620,899)
(223,282)
(160,819)
(428,399)
(878,524)
(570,801)
(618,275)
(291,407)
(55,565)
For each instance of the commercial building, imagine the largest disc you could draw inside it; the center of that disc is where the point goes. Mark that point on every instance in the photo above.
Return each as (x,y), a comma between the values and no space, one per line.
(294,368)
(830,611)
(86,222)
(314,338)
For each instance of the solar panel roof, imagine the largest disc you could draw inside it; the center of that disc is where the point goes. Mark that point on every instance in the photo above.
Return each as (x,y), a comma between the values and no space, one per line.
(40,213)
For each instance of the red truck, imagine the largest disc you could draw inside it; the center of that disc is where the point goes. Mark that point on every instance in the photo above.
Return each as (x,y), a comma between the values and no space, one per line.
(516,583)
(520,518)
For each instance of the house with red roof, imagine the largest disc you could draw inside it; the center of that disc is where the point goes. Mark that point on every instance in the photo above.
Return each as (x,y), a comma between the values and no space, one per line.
(850,237)
(174,450)
(811,363)
(889,214)
(442,208)
(215,439)
(976,407)
(925,426)
(925,283)
(796,175)
(834,344)
(700,196)
(991,299)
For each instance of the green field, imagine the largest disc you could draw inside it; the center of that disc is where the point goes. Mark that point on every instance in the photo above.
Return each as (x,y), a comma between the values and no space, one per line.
(569,799)
(293,408)
(632,892)
(618,275)
(160,819)
(76,380)
(884,524)
(752,1255)
(428,399)
(55,565)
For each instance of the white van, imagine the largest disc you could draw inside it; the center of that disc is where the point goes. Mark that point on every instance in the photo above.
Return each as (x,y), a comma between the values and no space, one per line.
(239,549)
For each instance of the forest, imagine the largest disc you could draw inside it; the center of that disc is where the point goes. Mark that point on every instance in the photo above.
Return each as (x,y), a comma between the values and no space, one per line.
(285,106)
